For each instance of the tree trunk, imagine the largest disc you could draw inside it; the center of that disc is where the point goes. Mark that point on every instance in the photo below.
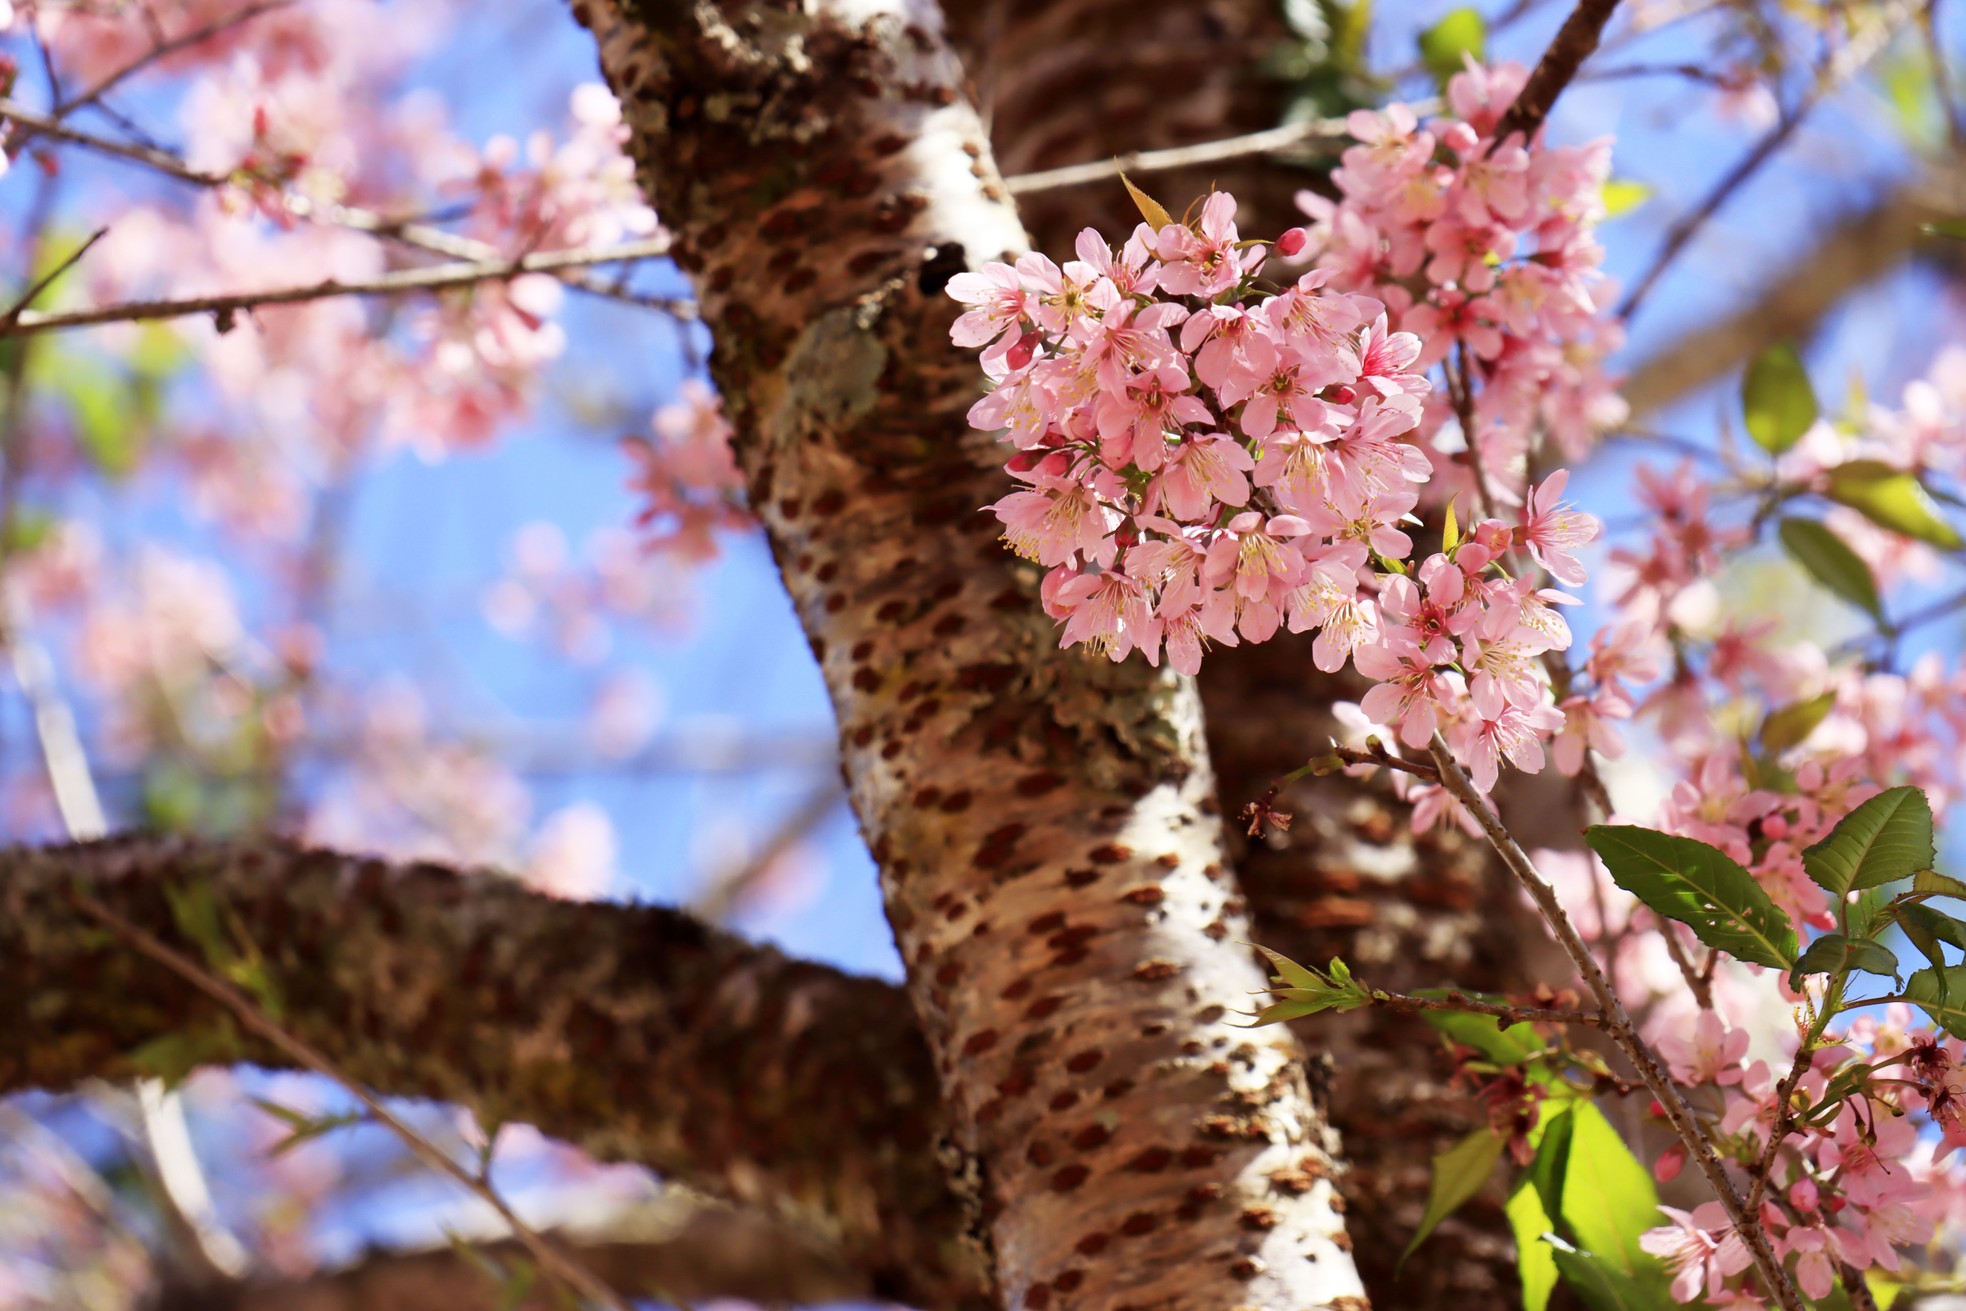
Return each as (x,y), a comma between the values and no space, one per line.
(1044,823)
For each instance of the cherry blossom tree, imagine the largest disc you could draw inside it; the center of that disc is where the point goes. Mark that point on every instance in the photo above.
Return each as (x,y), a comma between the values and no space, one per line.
(1192,448)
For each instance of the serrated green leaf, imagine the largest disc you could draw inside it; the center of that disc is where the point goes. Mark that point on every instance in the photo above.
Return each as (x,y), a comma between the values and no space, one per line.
(1701,887)
(1778,403)
(1838,568)
(1927,943)
(1893,499)
(1444,46)
(1835,953)
(1936,884)
(1608,1195)
(1944,999)
(1935,922)
(1887,838)
(1459,1173)
(1622,195)
(1150,209)
(1792,724)
(1288,971)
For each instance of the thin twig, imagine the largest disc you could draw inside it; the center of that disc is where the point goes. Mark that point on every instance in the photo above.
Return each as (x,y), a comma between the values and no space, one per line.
(33,293)
(433,278)
(1460,386)
(165,49)
(722,894)
(407,232)
(1270,141)
(1619,1026)
(1574,42)
(250,1016)
(1848,62)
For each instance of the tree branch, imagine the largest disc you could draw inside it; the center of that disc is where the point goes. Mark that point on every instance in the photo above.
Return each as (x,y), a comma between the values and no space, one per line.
(631,1032)
(1790,303)
(436,277)
(1574,43)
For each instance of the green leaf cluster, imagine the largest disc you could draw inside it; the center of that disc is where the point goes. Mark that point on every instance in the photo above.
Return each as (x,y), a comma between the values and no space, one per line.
(1301,991)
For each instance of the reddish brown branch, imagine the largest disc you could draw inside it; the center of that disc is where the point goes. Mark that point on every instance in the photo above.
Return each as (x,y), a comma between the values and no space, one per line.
(1575,41)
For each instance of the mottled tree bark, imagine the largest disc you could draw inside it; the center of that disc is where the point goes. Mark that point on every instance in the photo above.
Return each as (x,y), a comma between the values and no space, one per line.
(632,1032)
(1044,823)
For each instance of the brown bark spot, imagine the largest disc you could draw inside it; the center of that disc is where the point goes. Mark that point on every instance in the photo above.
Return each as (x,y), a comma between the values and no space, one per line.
(1140,1222)
(1068,1280)
(1170,860)
(949,625)
(891,611)
(1043,1007)
(1069,1178)
(1150,895)
(957,802)
(1156,971)
(1246,1267)
(1078,878)
(1085,1060)
(1044,924)
(927,797)
(1017,1082)
(1112,853)
(1151,1161)
(1090,1137)
(1258,1219)
(948,974)
(1093,1244)
(866,679)
(1036,785)
(891,750)
(835,603)
(1217,930)
(800,280)
(1021,988)
(989,1110)
(1341,1240)
(1038,1298)
(1210,1014)
(1117,1089)
(1040,1154)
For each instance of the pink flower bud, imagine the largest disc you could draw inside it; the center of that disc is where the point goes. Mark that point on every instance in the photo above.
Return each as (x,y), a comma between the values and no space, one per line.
(1292,242)
(1670,1163)
(1020,355)
(1804,1195)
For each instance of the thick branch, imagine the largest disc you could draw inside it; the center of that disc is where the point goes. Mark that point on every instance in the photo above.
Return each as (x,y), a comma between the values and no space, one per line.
(633,1032)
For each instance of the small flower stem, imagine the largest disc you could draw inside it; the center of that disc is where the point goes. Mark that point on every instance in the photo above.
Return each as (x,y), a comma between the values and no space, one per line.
(1778,1132)
(1618,1025)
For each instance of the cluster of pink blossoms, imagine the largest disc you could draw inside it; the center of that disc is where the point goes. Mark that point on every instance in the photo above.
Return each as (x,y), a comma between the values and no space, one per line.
(1487,251)
(1207,459)
(1854,1189)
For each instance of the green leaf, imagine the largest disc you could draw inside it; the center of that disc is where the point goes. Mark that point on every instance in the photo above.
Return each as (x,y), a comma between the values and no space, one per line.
(1450,533)
(1306,991)
(1459,1173)
(1599,1286)
(1943,997)
(1938,885)
(1834,953)
(1955,228)
(1887,838)
(1444,46)
(1537,1201)
(1792,724)
(1838,568)
(1608,1195)
(1777,400)
(1701,887)
(1150,209)
(173,1056)
(1622,195)
(1483,1033)
(1894,499)
(1927,928)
